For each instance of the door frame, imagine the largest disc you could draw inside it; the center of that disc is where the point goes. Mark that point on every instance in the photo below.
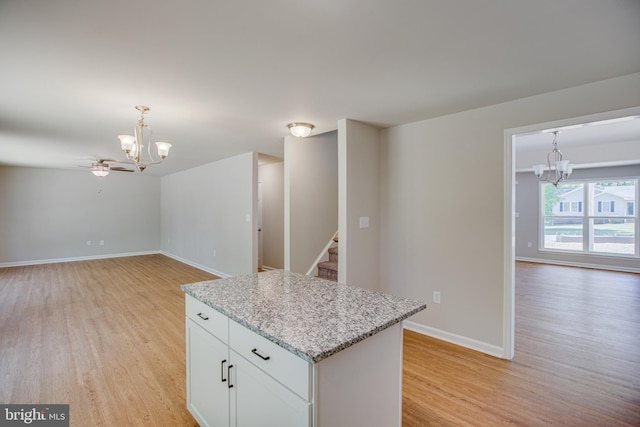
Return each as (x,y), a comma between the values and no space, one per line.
(508,325)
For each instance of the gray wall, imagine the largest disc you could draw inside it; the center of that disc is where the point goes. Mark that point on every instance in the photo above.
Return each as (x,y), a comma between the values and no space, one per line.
(443,207)
(49,214)
(359,183)
(272,178)
(311,198)
(527,197)
(209,215)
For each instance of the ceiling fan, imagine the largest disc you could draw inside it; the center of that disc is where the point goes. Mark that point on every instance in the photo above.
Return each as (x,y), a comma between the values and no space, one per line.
(102,168)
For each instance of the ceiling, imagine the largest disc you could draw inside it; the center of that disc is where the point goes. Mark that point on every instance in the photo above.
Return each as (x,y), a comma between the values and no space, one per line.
(225,77)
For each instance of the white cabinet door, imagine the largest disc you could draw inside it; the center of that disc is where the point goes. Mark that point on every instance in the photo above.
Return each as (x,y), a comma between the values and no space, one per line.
(261,401)
(207,377)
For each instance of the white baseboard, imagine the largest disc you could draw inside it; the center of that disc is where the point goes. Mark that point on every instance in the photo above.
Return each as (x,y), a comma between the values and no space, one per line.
(490,349)
(72,259)
(196,265)
(266,267)
(579,264)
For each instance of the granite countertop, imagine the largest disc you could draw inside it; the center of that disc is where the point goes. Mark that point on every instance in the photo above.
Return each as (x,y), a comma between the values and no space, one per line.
(311,317)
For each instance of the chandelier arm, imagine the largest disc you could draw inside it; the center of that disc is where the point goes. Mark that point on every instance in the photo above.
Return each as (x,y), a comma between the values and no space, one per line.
(549,167)
(153,160)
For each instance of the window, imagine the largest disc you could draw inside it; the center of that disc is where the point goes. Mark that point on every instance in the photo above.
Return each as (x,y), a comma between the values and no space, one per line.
(608,225)
(570,206)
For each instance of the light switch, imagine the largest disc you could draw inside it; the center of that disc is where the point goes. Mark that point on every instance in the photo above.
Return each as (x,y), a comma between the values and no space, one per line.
(364,222)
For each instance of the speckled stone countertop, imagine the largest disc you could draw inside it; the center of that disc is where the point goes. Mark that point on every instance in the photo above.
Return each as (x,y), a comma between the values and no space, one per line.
(313,318)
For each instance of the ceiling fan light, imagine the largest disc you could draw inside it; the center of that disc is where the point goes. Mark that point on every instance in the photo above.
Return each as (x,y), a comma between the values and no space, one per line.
(163,149)
(300,130)
(100,170)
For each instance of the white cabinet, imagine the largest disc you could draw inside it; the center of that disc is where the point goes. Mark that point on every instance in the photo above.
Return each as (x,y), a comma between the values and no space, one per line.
(207,377)
(237,378)
(260,400)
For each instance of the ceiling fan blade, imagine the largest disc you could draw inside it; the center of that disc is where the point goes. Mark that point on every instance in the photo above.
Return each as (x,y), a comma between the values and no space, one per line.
(120,169)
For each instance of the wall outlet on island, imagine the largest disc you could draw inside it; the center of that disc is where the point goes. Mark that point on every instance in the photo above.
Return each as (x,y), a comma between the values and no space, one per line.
(436,297)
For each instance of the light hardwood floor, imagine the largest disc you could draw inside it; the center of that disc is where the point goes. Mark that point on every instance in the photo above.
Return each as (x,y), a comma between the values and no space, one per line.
(577,359)
(104,336)
(107,337)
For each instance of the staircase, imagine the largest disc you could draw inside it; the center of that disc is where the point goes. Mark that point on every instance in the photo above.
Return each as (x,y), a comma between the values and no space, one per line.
(329,269)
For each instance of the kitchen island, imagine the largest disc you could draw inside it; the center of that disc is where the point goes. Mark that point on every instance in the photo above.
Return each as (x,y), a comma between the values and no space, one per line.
(285,349)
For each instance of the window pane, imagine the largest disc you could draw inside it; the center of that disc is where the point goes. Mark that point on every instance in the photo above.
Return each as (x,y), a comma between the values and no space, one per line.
(563,233)
(565,199)
(613,235)
(612,198)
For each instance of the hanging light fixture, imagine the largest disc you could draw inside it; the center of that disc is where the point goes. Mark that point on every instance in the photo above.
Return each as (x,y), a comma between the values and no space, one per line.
(132,145)
(557,171)
(300,130)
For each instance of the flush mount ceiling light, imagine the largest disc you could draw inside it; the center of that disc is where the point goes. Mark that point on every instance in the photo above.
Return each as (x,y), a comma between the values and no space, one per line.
(300,130)
(132,145)
(557,171)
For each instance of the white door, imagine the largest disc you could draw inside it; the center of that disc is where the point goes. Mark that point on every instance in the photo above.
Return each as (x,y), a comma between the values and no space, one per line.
(207,377)
(261,401)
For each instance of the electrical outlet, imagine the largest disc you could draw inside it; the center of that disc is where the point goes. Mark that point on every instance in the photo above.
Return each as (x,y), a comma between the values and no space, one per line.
(215,253)
(88,242)
(436,297)
(101,242)
(529,244)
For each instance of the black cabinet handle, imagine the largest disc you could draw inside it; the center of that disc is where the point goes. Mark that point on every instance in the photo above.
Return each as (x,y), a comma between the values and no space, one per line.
(203,316)
(229,375)
(255,351)
(222,378)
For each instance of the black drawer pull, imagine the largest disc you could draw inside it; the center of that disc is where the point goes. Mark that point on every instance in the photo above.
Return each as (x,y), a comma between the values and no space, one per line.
(203,316)
(229,375)
(222,378)
(255,351)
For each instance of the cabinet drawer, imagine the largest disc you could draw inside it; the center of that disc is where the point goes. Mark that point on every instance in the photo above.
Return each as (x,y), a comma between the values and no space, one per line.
(212,320)
(284,366)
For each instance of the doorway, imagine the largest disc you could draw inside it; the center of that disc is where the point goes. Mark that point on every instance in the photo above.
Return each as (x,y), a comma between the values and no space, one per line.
(511,137)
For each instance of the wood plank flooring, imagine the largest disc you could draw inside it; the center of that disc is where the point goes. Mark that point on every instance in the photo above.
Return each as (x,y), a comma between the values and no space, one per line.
(107,337)
(104,336)
(577,359)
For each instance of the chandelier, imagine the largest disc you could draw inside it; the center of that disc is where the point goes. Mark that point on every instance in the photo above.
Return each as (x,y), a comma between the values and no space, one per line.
(133,145)
(557,169)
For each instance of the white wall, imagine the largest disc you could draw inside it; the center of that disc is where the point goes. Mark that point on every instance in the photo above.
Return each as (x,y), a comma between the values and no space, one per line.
(49,214)
(272,178)
(527,207)
(209,215)
(358,147)
(442,207)
(311,198)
